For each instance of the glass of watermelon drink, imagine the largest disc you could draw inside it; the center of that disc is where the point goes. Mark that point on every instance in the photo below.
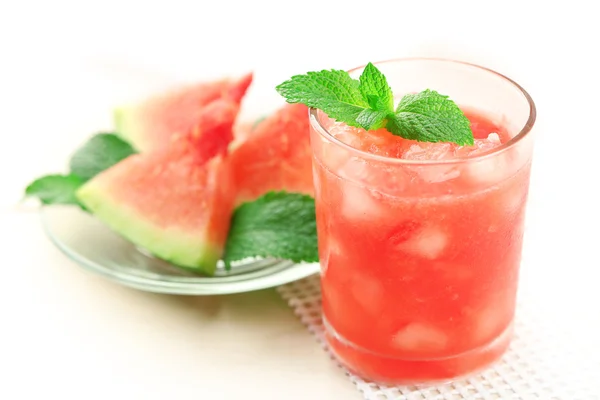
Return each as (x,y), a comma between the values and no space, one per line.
(420,243)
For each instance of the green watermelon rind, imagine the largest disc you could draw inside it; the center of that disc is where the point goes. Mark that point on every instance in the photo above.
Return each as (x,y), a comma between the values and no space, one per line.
(169,244)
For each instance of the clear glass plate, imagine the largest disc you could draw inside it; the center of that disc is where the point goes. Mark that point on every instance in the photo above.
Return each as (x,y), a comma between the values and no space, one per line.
(95,247)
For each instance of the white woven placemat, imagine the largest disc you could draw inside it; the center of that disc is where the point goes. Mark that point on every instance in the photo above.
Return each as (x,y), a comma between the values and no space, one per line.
(549,358)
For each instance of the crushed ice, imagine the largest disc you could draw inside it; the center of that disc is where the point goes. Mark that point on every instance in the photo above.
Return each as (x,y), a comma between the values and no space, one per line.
(448,151)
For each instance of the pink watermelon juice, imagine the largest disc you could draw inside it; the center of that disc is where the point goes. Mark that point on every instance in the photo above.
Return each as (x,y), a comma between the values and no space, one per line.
(420,243)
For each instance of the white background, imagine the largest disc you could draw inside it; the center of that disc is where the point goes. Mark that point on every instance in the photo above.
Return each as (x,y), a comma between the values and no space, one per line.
(64,65)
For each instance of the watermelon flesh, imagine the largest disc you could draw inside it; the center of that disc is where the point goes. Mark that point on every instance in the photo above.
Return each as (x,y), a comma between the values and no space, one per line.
(211,136)
(174,202)
(150,125)
(276,155)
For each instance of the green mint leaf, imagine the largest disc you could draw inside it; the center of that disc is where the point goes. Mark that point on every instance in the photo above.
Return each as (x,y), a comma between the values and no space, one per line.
(100,152)
(369,104)
(430,117)
(332,91)
(278,224)
(375,103)
(375,89)
(370,119)
(55,189)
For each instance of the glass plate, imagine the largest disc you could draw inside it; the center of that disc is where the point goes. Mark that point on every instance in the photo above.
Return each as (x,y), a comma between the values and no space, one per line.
(95,247)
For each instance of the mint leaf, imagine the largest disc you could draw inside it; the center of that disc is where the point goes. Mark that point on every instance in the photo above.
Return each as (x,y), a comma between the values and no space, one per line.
(278,224)
(55,189)
(430,117)
(375,89)
(371,120)
(369,104)
(100,152)
(332,91)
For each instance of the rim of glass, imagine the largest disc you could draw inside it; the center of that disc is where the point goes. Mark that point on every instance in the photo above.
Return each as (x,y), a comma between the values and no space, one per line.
(316,123)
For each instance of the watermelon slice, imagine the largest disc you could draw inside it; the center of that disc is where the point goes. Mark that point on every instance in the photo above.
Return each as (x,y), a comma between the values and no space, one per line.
(276,155)
(173,202)
(151,124)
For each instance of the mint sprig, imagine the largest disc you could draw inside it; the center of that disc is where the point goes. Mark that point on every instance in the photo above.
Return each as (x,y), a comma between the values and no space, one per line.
(55,189)
(278,224)
(368,103)
(100,152)
(332,90)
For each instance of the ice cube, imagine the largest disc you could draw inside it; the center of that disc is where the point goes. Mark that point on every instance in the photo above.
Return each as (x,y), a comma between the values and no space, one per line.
(418,337)
(358,201)
(428,243)
(437,173)
(479,146)
(388,180)
(494,138)
(354,169)
(368,292)
(488,324)
(433,151)
(429,151)
(359,205)
(346,134)
(488,170)
(384,144)
(332,155)
(494,314)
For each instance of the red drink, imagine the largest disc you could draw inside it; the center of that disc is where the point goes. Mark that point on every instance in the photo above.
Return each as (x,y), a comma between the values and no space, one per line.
(420,243)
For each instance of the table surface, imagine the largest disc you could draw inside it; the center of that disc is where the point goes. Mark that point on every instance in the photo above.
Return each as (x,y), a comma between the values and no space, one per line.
(66,331)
